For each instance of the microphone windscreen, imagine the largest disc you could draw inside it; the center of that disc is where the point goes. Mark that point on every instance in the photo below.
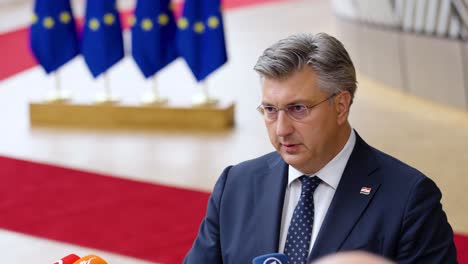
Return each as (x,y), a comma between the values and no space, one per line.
(90,259)
(273,258)
(70,259)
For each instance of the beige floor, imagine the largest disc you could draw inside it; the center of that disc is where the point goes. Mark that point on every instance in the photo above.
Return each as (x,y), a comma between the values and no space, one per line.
(430,137)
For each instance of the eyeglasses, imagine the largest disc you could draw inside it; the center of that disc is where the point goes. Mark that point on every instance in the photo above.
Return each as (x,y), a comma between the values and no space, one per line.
(294,111)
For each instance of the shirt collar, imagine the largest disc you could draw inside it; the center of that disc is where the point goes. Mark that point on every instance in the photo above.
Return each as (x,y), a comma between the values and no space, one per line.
(330,173)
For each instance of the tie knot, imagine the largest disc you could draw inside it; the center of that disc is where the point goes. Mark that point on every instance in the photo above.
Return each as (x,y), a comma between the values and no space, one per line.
(309,184)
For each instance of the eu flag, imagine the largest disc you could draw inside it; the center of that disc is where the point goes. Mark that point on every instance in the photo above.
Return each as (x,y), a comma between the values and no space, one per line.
(53,36)
(102,43)
(153,36)
(200,38)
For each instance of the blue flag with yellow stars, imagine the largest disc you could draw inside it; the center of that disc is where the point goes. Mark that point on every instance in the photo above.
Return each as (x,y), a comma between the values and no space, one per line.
(102,43)
(200,37)
(153,36)
(53,36)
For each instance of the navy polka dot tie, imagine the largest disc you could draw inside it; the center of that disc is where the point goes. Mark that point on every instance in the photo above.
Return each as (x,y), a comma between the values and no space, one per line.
(302,221)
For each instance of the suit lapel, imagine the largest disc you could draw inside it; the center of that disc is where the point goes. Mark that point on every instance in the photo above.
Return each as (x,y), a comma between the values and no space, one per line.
(269,198)
(348,203)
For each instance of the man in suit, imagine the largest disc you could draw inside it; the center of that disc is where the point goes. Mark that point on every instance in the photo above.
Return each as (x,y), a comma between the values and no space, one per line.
(324,190)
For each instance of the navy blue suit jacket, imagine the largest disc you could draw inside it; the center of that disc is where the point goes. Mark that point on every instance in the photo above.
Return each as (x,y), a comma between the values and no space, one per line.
(401,219)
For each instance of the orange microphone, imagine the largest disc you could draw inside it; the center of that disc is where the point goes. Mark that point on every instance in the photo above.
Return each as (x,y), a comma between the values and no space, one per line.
(70,259)
(90,259)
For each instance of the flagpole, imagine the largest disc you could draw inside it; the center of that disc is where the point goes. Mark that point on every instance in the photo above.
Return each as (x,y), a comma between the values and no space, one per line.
(106,97)
(57,81)
(154,82)
(203,98)
(158,100)
(209,101)
(153,97)
(57,95)
(58,88)
(107,91)
(205,89)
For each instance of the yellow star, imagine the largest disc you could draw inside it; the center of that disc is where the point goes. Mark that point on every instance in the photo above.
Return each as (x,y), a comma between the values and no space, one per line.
(109,19)
(163,19)
(132,21)
(183,23)
(146,24)
(34,19)
(213,22)
(199,27)
(49,22)
(65,17)
(94,24)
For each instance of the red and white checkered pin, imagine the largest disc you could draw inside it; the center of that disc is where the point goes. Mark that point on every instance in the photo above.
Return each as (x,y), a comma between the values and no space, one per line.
(365,190)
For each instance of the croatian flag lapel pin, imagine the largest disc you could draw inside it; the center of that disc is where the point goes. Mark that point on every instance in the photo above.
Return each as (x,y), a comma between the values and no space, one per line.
(365,190)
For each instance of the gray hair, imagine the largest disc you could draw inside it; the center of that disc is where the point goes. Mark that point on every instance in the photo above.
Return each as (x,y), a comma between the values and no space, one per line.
(323,53)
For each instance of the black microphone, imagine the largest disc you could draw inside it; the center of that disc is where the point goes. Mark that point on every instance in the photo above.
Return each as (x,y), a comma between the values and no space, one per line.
(272,258)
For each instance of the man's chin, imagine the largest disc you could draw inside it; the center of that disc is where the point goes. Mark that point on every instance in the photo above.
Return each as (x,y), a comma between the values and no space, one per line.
(291,159)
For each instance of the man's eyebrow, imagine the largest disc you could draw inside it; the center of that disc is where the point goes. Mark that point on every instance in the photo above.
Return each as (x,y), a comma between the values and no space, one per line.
(300,101)
(266,103)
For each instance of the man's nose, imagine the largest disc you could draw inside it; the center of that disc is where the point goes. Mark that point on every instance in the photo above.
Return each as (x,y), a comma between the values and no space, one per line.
(284,125)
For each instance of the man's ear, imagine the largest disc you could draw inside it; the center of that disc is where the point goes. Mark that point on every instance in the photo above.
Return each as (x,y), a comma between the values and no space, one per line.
(342,104)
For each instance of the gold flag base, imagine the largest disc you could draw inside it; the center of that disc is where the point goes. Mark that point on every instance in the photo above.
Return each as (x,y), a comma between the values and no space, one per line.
(58,96)
(154,100)
(119,116)
(202,100)
(106,99)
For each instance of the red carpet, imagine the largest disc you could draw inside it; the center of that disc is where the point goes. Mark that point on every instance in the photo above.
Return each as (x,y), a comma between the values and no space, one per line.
(14,51)
(461,241)
(142,220)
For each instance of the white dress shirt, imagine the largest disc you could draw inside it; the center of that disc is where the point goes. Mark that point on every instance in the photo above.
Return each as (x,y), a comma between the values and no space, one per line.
(330,176)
